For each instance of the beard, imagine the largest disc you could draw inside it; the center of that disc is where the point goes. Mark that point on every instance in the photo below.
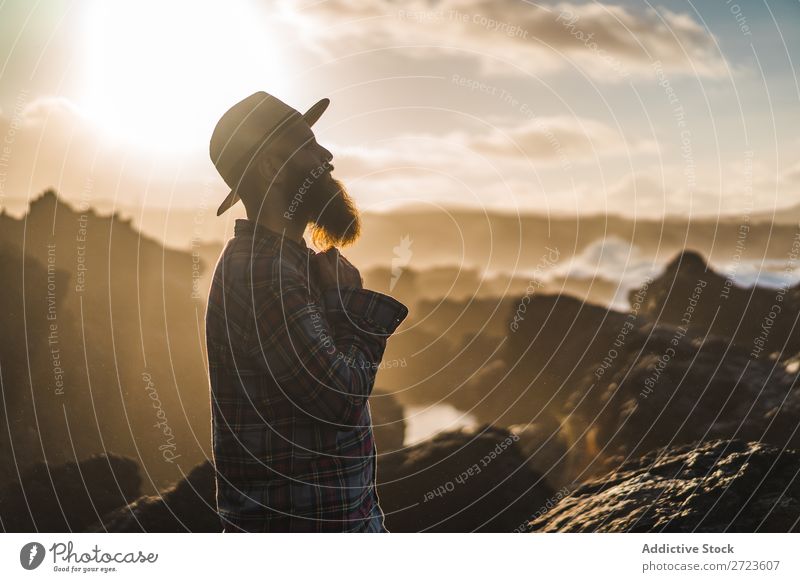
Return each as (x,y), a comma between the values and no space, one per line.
(332,214)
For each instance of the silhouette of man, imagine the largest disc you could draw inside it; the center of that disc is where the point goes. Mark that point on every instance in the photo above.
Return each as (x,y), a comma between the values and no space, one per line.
(294,340)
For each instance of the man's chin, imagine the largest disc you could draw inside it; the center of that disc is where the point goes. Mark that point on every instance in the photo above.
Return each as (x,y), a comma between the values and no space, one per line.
(337,224)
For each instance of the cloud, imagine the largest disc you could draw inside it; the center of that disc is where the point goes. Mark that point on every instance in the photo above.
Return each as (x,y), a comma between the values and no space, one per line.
(559,137)
(52,110)
(659,189)
(607,42)
(48,143)
(791,175)
(408,153)
(498,166)
(557,140)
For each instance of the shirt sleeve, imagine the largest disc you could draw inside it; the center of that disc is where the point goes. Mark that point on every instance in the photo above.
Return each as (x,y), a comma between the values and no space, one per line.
(361,311)
(323,358)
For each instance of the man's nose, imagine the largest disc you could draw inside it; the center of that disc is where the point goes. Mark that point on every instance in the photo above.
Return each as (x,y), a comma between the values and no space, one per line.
(326,155)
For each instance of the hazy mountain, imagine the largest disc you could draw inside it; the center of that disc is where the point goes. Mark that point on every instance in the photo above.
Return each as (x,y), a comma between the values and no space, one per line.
(493,241)
(103,342)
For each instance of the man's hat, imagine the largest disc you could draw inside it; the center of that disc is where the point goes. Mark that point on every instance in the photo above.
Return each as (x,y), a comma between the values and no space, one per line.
(246,128)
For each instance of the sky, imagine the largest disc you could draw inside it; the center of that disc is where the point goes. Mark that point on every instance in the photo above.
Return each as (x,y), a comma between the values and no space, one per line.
(634,108)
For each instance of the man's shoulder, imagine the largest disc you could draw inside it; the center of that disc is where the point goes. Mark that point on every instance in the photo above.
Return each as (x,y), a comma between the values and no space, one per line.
(245,264)
(251,278)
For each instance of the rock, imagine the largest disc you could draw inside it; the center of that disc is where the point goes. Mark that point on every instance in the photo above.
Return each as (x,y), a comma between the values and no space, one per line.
(189,506)
(758,319)
(459,481)
(545,447)
(667,386)
(672,393)
(103,360)
(68,497)
(530,373)
(715,486)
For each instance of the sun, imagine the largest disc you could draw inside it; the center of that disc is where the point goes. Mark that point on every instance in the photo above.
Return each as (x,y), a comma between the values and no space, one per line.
(160,73)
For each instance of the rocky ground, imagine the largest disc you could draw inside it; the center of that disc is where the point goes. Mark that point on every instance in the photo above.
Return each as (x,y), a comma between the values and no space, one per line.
(715,486)
(464,481)
(679,415)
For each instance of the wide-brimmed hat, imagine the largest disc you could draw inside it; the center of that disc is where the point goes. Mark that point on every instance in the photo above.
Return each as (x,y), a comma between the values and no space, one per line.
(248,126)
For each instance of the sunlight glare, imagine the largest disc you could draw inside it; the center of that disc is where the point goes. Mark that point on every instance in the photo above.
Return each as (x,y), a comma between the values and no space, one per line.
(160,73)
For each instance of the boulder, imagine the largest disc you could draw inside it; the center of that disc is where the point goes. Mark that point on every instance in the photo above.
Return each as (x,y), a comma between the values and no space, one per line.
(545,447)
(715,486)
(759,319)
(677,392)
(68,497)
(189,506)
(460,481)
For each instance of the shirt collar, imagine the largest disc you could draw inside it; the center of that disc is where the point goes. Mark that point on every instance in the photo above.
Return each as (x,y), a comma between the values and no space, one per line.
(244,227)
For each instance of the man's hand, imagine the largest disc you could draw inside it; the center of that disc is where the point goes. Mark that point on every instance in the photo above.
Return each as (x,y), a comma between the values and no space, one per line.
(333,271)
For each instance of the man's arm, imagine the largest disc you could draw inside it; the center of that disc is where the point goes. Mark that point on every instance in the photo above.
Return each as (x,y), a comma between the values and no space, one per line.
(324,361)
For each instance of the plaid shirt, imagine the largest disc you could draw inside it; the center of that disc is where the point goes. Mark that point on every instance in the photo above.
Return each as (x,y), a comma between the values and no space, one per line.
(291,369)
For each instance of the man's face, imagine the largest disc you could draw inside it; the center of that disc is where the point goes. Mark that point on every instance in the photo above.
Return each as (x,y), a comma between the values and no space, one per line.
(312,195)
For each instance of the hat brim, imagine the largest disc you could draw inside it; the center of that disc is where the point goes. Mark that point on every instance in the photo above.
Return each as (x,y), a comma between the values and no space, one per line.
(310,117)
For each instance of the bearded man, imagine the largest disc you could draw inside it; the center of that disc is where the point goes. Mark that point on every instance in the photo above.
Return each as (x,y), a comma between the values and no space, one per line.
(294,340)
